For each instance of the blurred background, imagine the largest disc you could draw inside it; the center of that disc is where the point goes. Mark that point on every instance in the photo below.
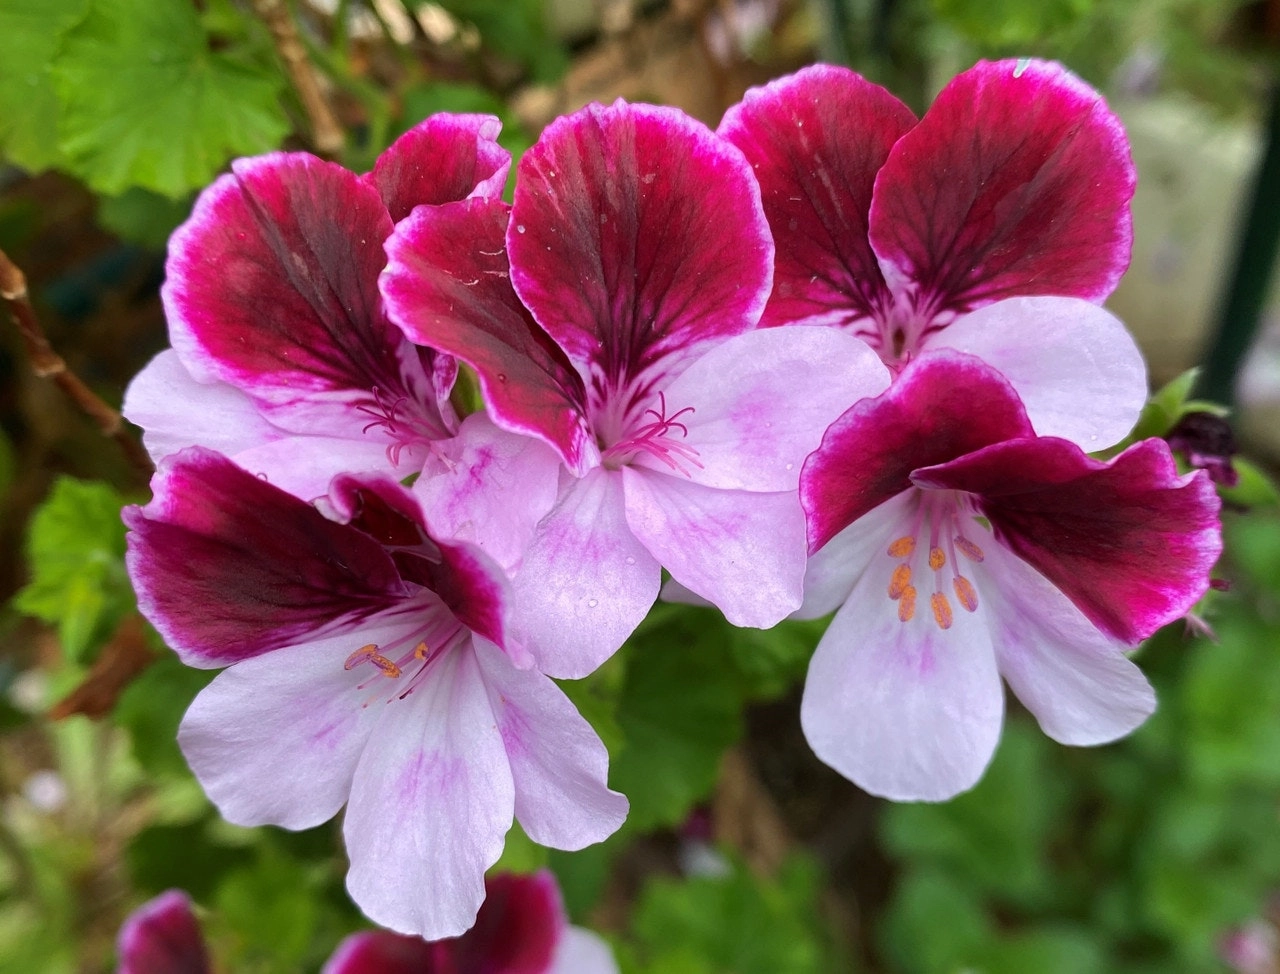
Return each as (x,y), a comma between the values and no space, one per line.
(743,853)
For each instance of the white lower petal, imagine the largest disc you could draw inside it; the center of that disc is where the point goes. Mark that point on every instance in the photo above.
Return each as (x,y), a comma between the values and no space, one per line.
(431,802)
(1074,365)
(742,551)
(1078,683)
(585,582)
(907,711)
(274,740)
(558,762)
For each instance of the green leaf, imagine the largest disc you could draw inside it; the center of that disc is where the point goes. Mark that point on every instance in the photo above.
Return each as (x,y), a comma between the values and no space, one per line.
(151,708)
(142,217)
(183,856)
(1011,23)
(679,711)
(520,854)
(76,552)
(735,924)
(30,31)
(145,102)
(771,662)
(1049,950)
(515,29)
(1255,488)
(933,924)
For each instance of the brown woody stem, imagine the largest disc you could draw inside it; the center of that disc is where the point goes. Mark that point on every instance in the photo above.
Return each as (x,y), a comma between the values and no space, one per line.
(327,134)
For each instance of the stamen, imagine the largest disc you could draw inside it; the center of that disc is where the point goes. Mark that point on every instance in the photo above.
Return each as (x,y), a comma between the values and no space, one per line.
(966,593)
(360,655)
(941,610)
(907,604)
(388,668)
(937,558)
(900,581)
(420,651)
(902,548)
(970,550)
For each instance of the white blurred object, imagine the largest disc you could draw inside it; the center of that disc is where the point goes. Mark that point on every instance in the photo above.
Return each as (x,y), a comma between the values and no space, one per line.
(45,790)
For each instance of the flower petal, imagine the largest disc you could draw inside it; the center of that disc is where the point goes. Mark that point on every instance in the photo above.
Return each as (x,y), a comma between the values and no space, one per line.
(742,551)
(444,158)
(274,740)
(384,952)
(942,405)
(1130,542)
(272,286)
(637,233)
(583,952)
(175,411)
(816,140)
(558,762)
(1075,367)
(227,566)
(489,487)
(1077,682)
(585,583)
(907,711)
(304,466)
(447,284)
(430,804)
(1016,181)
(761,402)
(518,927)
(163,937)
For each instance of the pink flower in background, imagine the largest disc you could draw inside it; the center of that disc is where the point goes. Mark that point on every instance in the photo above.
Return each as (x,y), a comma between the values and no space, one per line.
(162,937)
(282,355)
(994,225)
(959,547)
(521,929)
(611,313)
(368,664)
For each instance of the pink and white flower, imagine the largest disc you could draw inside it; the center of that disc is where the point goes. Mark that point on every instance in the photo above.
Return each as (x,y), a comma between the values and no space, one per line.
(368,664)
(611,312)
(994,225)
(959,547)
(521,929)
(282,356)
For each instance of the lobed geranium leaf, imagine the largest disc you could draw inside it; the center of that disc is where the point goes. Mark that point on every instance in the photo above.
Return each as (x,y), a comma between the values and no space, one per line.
(75,549)
(30,31)
(146,102)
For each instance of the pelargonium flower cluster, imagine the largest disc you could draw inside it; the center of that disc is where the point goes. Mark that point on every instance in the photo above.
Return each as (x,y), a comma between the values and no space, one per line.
(826,358)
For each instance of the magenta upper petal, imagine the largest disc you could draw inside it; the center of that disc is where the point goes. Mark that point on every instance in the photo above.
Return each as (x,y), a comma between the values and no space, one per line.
(163,937)
(385,952)
(943,405)
(442,159)
(227,566)
(1130,542)
(272,287)
(447,284)
(636,232)
(1016,181)
(816,140)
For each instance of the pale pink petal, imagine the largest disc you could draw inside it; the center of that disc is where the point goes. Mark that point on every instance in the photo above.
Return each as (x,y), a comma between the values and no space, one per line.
(585,582)
(816,140)
(637,233)
(489,487)
(1016,181)
(304,465)
(742,551)
(760,403)
(583,952)
(431,802)
(1077,682)
(907,711)
(274,740)
(1074,365)
(558,762)
(175,411)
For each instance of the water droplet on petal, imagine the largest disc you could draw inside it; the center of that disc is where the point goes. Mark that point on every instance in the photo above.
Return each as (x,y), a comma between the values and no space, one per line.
(790,466)
(592,603)
(519,228)
(502,377)
(630,560)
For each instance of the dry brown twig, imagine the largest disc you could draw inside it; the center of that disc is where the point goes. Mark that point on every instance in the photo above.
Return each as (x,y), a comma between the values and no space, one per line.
(48,364)
(327,134)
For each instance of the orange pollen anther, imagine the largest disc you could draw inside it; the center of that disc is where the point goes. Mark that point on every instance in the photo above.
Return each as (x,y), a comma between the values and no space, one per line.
(969,549)
(966,593)
(902,548)
(388,668)
(937,558)
(420,651)
(941,610)
(907,604)
(900,581)
(360,655)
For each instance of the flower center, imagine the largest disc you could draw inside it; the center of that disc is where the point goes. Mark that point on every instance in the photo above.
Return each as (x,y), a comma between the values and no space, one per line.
(898,331)
(419,648)
(659,435)
(398,423)
(945,512)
